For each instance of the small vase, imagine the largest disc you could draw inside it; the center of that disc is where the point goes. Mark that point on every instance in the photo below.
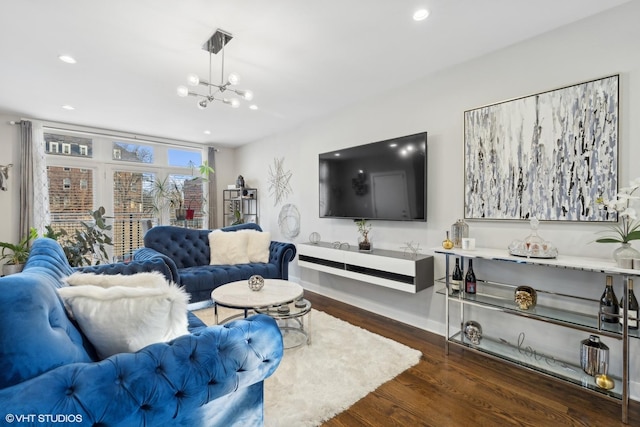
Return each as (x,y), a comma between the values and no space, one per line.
(624,255)
(364,244)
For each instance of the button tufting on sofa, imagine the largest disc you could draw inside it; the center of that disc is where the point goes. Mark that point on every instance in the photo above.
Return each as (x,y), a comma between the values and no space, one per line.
(111,392)
(189,254)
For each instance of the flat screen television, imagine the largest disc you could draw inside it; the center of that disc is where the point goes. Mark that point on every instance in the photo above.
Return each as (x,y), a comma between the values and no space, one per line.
(384,180)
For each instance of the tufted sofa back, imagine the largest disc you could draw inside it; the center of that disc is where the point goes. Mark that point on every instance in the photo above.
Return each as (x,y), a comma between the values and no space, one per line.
(186,247)
(35,333)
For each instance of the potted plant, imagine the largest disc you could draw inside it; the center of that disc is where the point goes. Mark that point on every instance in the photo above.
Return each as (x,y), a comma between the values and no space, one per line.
(16,254)
(204,170)
(364,244)
(88,245)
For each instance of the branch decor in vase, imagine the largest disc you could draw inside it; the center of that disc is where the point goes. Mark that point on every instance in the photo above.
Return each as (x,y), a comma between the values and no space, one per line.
(364,243)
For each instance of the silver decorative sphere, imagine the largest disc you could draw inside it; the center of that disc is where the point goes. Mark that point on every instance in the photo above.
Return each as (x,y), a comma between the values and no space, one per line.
(314,238)
(256,282)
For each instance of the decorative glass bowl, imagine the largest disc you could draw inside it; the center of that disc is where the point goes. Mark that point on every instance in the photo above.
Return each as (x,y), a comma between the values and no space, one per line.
(533,246)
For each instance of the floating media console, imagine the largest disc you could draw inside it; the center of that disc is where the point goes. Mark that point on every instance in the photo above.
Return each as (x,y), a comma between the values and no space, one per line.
(391,269)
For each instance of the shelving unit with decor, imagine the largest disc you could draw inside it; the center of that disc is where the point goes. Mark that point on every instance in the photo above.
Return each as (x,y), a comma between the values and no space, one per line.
(493,297)
(241,200)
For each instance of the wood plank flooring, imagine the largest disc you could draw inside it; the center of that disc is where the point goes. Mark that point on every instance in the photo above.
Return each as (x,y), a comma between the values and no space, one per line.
(464,388)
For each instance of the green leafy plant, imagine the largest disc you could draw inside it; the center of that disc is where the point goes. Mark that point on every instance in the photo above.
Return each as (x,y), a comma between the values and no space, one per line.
(629,227)
(364,229)
(17,253)
(87,244)
(238,217)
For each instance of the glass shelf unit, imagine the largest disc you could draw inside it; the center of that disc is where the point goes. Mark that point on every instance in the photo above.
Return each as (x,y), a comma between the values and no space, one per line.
(494,296)
(501,296)
(500,349)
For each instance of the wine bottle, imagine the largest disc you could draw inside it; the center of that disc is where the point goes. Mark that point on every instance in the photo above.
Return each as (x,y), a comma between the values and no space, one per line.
(470,280)
(456,277)
(609,307)
(632,315)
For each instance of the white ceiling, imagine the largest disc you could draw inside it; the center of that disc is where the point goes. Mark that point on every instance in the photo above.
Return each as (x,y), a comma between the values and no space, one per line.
(302,59)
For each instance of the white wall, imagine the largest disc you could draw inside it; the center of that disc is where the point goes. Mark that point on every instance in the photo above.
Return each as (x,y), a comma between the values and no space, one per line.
(10,199)
(596,47)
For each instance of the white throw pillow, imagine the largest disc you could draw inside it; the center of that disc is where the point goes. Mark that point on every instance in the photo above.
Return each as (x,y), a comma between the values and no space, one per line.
(258,245)
(152,279)
(121,319)
(228,247)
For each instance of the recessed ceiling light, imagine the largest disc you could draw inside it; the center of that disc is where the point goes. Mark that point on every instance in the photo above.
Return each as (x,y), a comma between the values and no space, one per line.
(253,107)
(420,15)
(68,107)
(207,132)
(67,58)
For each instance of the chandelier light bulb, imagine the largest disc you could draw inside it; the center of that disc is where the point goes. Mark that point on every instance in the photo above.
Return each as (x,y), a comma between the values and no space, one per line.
(233,79)
(202,104)
(246,94)
(193,80)
(182,91)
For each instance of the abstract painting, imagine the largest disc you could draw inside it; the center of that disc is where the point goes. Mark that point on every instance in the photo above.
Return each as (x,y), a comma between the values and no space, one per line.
(548,156)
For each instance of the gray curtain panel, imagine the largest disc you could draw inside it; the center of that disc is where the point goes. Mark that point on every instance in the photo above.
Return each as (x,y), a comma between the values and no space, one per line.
(213,194)
(26,178)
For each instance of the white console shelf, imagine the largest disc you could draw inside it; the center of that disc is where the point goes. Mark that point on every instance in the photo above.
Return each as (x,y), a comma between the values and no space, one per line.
(391,269)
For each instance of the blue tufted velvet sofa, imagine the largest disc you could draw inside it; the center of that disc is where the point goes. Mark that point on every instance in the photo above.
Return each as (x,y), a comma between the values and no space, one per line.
(49,374)
(186,251)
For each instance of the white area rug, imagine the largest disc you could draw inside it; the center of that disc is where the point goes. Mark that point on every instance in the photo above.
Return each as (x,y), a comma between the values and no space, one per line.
(343,364)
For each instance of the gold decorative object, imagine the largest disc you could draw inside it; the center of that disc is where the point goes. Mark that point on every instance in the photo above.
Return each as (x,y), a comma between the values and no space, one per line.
(447,243)
(603,380)
(526,297)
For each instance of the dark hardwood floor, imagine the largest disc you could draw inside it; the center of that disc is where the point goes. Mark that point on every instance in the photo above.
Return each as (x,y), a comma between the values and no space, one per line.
(464,388)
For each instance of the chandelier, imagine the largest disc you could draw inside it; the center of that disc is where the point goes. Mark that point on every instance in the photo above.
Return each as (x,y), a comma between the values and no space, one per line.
(216,92)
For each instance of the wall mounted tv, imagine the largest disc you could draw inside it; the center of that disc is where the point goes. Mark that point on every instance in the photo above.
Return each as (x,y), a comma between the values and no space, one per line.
(385,180)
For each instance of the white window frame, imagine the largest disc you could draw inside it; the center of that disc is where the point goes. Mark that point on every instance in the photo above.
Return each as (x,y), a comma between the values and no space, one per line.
(84,150)
(66,148)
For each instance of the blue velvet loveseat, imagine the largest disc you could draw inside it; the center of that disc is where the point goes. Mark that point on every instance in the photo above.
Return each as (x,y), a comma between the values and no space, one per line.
(187,253)
(50,375)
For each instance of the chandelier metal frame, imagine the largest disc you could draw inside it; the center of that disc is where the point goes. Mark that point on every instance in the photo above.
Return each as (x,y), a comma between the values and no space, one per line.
(215,44)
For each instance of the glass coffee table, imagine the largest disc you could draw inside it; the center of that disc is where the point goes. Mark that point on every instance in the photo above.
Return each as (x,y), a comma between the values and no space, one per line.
(281,299)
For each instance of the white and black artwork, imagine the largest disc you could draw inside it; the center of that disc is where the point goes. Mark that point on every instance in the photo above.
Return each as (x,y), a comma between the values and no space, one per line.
(548,156)
(4,176)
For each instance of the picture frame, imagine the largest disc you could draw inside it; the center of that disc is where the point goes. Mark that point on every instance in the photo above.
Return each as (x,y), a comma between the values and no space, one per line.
(551,155)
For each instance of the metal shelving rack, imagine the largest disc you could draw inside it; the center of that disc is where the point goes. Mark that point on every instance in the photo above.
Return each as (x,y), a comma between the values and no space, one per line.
(243,200)
(499,297)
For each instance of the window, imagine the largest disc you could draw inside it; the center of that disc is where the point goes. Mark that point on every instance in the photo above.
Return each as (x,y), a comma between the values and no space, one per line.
(69,145)
(184,158)
(132,152)
(118,175)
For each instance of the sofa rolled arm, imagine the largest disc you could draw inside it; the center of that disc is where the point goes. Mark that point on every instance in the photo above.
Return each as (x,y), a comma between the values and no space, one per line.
(145,254)
(159,383)
(281,254)
(133,267)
